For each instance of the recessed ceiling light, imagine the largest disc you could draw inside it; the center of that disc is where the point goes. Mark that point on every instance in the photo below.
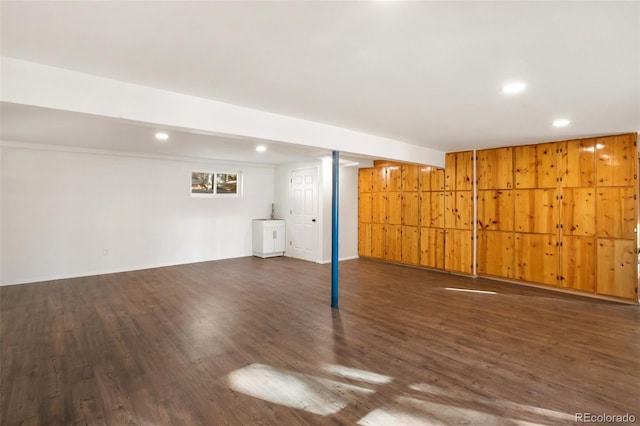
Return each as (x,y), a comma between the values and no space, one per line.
(515,87)
(561,122)
(162,136)
(261,148)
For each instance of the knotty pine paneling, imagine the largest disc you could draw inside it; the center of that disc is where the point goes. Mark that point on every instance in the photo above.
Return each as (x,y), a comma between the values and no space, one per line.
(432,247)
(377,240)
(393,243)
(578,212)
(617,268)
(365,213)
(459,171)
(496,210)
(364,239)
(378,207)
(536,166)
(458,251)
(536,211)
(578,259)
(536,258)
(411,245)
(494,168)
(617,160)
(431,179)
(495,255)
(577,163)
(432,209)
(410,177)
(458,210)
(394,208)
(365,179)
(616,212)
(394,178)
(411,208)
(379,179)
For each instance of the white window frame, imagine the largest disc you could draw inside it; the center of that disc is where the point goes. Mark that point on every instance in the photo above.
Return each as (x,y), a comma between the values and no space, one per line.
(214,182)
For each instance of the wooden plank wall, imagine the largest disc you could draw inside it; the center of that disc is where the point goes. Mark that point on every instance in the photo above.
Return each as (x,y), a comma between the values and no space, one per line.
(432,213)
(562,214)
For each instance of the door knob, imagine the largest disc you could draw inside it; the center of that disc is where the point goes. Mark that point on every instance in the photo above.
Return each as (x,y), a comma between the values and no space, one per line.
(313,220)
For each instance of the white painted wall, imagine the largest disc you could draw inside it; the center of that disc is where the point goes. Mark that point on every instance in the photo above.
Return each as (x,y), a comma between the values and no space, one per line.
(60,210)
(348,247)
(348,207)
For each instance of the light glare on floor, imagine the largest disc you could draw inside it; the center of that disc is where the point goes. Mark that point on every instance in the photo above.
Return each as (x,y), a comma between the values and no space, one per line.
(468,290)
(357,374)
(316,395)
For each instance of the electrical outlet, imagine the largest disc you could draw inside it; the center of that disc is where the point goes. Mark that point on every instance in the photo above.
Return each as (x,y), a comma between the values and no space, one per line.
(105,252)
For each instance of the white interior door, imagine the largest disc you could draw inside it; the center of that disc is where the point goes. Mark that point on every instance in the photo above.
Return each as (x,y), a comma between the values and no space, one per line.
(304,214)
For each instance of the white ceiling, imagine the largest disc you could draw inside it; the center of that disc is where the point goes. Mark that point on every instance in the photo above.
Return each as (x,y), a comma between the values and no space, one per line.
(426,73)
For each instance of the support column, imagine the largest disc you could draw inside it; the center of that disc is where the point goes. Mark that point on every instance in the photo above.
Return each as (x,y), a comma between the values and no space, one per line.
(334,229)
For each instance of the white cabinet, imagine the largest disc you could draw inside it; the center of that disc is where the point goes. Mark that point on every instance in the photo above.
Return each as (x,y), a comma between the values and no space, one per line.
(268,237)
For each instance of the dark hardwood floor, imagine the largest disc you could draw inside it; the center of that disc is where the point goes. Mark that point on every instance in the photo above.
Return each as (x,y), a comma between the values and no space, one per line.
(254,341)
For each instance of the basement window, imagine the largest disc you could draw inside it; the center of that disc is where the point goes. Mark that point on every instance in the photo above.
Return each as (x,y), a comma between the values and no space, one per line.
(216,184)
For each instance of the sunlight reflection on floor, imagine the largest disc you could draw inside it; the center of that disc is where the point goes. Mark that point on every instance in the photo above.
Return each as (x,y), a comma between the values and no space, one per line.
(416,412)
(324,397)
(313,394)
(514,407)
(356,374)
(468,290)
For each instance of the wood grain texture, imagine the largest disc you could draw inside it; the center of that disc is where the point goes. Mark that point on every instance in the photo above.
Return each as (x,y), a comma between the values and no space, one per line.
(379,181)
(364,239)
(616,212)
(496,210)
(426,175)
(365,179)
(577,163)
(537,258)
(536,211)
(437,180)
(617,268)
(393,243)
(458,251)
(377,240)
(496,251)
(394,208)
(159,346)
(432,247)
(495,168)
(379,207)
(431,178)
(411,245)
(578,211)
(578,263)
(459,171)
(458,210)
(410,208)
(432,209)
(536,166)
(410,177)
(394,178)
(365,213)
(617,160)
